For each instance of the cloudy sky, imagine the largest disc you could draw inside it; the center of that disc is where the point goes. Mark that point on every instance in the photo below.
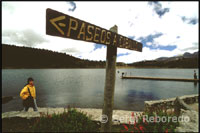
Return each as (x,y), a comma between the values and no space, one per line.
(164,28)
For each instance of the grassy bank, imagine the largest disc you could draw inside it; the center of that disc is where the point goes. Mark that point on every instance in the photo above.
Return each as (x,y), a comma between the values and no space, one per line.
(18,124)
(75,121)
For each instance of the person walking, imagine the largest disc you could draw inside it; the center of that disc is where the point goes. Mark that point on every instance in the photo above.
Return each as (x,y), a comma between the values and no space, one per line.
(28,95)
(195,75)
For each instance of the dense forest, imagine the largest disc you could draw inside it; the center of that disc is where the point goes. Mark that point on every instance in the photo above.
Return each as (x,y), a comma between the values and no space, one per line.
(24,57)
(180,62)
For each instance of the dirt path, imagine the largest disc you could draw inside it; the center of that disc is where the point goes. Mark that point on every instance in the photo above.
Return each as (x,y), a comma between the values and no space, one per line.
(195,106)
(95,114)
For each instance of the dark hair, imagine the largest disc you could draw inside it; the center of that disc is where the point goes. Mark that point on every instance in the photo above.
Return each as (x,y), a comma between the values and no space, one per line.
(29,79)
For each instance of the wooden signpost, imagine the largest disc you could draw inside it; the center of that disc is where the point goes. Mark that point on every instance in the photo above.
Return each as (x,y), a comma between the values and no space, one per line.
(62,25)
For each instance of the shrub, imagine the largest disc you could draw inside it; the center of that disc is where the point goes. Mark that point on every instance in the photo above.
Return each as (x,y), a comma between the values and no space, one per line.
(146,126)
(71,121)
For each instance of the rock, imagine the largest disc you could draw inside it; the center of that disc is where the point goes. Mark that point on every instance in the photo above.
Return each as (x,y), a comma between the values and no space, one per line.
(192,124)
(188,99)
(6,99)
(95,114)
(30,113)
(116,122)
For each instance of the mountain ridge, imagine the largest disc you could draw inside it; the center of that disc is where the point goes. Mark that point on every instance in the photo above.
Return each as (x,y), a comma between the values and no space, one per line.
(187,60)
(185,55)
(15,57)
(25,57)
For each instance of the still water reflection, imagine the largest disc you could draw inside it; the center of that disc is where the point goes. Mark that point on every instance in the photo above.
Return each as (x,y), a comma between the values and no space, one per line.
(85,87)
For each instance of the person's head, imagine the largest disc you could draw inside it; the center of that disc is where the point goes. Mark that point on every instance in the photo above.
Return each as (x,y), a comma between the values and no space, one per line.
(30,81)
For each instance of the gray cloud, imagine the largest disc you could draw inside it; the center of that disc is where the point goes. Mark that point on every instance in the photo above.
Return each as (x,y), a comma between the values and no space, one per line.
(158,8)
(26,37)
(70,50)
(192,20)
(150,38)
(73,4)
(194,47)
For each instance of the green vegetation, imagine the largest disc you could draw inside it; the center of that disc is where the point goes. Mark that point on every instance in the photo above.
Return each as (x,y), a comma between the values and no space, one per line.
(142,125)
(74,121)
(176,63)
(71,121)
(23,57)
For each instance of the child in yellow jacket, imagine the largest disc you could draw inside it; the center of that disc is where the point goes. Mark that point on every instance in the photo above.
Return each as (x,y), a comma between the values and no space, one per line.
(24,94)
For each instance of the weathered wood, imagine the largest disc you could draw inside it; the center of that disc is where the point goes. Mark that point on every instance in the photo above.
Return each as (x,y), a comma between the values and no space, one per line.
(109,85)
(156,78)
(63,25)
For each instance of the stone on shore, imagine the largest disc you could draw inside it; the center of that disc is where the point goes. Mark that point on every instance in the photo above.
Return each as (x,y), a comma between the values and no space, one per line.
(189,126)
(6,99)
(95,114)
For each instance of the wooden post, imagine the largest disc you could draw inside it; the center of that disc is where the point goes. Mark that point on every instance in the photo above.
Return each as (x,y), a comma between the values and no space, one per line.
(109,85)
(63,25)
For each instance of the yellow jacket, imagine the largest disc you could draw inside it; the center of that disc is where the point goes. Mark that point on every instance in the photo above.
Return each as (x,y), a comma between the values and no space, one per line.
(24,92)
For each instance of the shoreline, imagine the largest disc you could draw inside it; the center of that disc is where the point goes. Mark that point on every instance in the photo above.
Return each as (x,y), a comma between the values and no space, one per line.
(94,113)
(104,68)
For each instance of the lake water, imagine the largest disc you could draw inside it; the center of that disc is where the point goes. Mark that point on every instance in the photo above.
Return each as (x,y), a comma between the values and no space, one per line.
(85,87)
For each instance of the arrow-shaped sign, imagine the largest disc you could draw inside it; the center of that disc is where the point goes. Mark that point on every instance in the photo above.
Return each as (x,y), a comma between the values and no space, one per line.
(60,24)
(63,25)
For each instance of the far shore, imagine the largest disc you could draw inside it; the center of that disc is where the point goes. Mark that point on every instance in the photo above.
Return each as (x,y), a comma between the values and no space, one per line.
(118,67)
(94,113)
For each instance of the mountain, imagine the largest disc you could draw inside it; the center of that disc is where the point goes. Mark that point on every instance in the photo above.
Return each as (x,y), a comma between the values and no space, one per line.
(24,57)
(185,55)
(187,60)
(161,58)
(189,55)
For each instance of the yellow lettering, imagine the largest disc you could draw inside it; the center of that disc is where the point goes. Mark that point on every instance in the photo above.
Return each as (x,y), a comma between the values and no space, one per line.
(135,45)
(96,35)
(82,31)
(103,40)
(60,24)
(108,38)
(130,43)
(115,40)
(120,41)
(126,43)
(70,26)
(89,32)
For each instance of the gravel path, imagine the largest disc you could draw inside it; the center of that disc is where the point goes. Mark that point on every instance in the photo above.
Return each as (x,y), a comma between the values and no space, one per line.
(118,115)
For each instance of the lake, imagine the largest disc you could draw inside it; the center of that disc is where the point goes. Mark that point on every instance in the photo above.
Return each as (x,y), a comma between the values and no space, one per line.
(84,88)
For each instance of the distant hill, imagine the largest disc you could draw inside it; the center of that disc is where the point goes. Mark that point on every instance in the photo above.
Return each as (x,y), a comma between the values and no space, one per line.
(189,55)
(24,57)
(187,60)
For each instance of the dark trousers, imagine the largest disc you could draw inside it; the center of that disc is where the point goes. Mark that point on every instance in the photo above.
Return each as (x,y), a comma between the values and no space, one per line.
(34,106)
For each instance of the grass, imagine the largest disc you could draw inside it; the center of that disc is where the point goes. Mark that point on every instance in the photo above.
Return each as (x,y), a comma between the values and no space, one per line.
(70,121)
(146,125)
(17,124)
(74,121)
